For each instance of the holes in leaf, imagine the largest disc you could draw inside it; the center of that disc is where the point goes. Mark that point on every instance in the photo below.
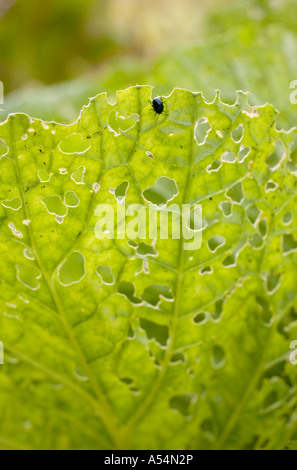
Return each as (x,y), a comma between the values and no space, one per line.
(243,153)
(270,186)
(266,313)
(28,254)
(228,157)
(235,193)
(256,241)
(154,331)
(54,205)
(3,148)
(73,269)
(215,166)
(80,375)
(182,403)
(129,382)
(96,187)
(286,322)
(126,380)
(177,357)
(215,243)
(200,318)
(205,270)
(207,428)
(201,131)
(74,143)
(253,214)
(28,276)
(287,218)
(163,191)
(14,204)
(71,199)
(118,123)
(43,176)
(218,356)
(275,158)
(155,292)
(78,175)
(217,314)
(237,134)
(230,261)
(132,244)
(289,244)
(121,191)
(127,288)
(263,227)
(146,250)
(15,231)
(273,283)
(220,134)
(106,274)
(226,208)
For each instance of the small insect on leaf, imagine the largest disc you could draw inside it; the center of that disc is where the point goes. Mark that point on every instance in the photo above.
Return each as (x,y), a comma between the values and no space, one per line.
(158,105)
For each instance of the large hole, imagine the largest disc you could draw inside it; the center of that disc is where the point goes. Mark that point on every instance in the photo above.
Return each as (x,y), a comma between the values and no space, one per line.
(182,403)
(289,244)
(228,157)
(243,153)
(202,129)
(215,243)
(154,331)
(78,175)
(218,356)
(73,269)
(226,208)
(163,191)
(217,314)
(235,193)
(121,191)
(127,288)
(266,312)
(146,250)
(274,158)
(14,204)
(215,166)
(29,275)
(106,274)
(71,199)
(230,261)
(253,214)
(273,282)
(237,134)
(54,205)
(74,144)
(119,123)
(43,176)
(152,294)
(287,218)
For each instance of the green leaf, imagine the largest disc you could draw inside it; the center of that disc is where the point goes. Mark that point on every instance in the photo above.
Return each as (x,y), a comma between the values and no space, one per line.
(117,343)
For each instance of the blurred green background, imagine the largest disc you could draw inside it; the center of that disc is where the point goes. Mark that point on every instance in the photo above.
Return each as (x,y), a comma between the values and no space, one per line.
(55,54)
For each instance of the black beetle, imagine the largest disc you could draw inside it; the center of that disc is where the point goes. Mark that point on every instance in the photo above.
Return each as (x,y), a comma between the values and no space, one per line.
(158,105)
